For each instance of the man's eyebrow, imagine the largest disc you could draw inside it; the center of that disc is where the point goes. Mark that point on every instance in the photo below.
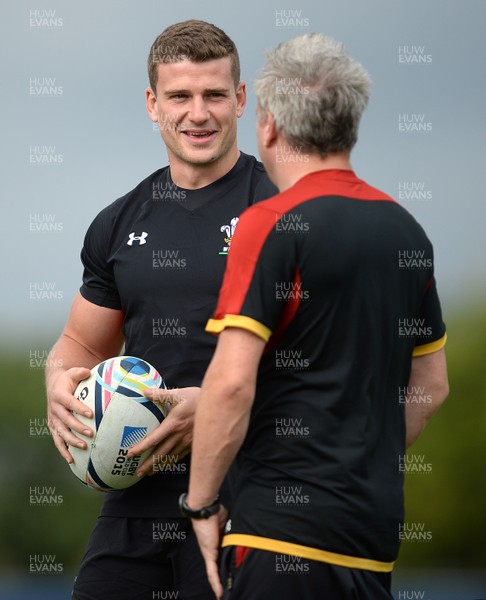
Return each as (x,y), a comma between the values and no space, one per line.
(220,90)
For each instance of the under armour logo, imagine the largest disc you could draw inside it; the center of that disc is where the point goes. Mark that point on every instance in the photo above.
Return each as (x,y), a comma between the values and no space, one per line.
(141,238)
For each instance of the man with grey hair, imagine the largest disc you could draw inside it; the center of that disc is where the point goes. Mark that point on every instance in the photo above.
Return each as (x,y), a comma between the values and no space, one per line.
(323,337)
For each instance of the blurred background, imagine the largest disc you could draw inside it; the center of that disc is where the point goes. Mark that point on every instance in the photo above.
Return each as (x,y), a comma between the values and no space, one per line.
(75,136)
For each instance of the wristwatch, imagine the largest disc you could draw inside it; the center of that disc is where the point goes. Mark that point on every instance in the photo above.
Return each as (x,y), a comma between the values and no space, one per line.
(203,513)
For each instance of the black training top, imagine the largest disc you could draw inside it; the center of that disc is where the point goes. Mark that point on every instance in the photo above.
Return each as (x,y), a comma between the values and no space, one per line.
(338,279)
(159,254)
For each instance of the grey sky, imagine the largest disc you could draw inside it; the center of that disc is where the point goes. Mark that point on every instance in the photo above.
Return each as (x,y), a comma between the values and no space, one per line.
(426,60)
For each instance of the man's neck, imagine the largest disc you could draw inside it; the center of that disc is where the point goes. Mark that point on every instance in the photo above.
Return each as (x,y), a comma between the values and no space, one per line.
(287,174)
(196,176)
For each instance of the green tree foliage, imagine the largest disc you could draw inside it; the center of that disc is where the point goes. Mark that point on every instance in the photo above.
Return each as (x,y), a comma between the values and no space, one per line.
(449,499)
(29,524)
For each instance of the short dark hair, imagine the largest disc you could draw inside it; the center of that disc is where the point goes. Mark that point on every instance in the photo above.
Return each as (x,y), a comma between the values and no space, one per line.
(192,40)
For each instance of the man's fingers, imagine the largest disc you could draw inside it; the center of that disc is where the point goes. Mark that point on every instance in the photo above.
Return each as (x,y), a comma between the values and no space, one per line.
(165,448)
(170,432)
(173,396)
(63,424)
(173,437)
(150,441)
(61,446)
(76,406)
(63,435)
(72,440)
(207,533)
(163,396)
(75,376)
(164,455)
(71,422)
(214,580)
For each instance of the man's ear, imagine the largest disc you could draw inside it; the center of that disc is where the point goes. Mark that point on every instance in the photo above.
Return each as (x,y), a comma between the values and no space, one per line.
(270,133)
(151,104)
(240,99)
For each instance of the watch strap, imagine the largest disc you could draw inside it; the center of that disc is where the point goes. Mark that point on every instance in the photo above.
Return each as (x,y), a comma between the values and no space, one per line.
(203,513)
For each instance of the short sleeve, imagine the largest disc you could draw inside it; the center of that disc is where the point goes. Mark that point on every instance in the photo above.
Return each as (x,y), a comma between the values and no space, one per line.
(99,285)
(432,328)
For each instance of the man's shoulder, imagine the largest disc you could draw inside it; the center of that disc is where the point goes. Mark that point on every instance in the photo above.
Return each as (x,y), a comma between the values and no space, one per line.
(257,169)
(142,191)
(252,162)
(132,200)
(262,187)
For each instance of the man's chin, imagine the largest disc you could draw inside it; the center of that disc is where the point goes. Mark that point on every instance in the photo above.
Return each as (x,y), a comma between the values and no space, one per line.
(200,158)
(201,161)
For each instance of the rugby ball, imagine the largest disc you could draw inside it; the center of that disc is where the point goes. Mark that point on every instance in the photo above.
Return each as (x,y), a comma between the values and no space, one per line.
(122,417)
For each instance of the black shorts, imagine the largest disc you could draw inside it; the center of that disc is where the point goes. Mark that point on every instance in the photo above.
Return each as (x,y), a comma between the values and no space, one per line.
(249,574)
(142,559)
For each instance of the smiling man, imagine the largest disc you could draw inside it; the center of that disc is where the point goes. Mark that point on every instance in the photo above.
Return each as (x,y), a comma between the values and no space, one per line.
(203,147)
(153,264)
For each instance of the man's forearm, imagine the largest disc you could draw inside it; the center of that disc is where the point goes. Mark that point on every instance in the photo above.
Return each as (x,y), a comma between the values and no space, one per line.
(220,427)
(92,334)
(429,376)
(223,412)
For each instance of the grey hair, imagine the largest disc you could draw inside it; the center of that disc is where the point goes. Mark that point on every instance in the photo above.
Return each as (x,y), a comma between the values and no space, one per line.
(316,93)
